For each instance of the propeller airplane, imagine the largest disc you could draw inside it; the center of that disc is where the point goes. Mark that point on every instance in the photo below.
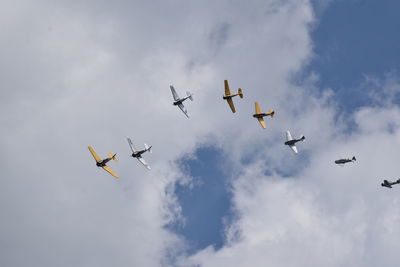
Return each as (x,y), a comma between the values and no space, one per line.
(179,101)
(292,142)
(260,115)
(138,153)
(228,96)
(102,162)
(344,161)
(388,184)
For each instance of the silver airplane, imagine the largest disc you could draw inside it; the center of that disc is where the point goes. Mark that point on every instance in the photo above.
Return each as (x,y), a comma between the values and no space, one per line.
(179,101)
(344,161)
(138,153)
(292,142)
(389,184)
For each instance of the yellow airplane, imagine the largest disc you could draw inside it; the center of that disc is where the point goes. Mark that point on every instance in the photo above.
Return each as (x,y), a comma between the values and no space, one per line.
(228,96)
(260,116)
(102,162)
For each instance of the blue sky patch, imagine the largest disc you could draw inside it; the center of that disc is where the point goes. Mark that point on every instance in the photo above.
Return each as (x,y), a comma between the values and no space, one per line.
(206,206)
(355,38)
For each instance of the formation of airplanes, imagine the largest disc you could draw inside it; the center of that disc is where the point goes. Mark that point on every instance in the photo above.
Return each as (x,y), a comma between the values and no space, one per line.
(228,96)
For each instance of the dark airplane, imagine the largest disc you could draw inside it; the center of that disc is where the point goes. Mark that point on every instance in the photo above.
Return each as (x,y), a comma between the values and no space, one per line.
(344,161)
(389,184)
(292,142)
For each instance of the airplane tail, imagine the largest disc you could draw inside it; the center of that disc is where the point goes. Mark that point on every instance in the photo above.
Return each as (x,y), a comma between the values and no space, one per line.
(272,112)
(148,148)
(240,92)
(353,159)
(113,156)
(302,138)
(190,95)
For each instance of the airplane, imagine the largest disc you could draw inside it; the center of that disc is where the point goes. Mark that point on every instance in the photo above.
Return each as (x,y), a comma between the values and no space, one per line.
(389,184)
(292,142)
(344,161)
(138,153)
(102,162)
(260,116)
(228,96)
(179,101)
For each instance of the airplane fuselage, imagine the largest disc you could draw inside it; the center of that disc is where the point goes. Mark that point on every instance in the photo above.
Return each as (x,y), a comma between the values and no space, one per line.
(180,101)
(225,97)
(342,161)
(292,142)
(138,154)
(260,115)
(103,162)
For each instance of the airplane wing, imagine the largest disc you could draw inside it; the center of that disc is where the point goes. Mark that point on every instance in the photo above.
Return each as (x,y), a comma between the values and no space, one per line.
(288,136)
(94,154)
(262,122)
(108,169)
(182,107)
(231,105)
(131,145)
(227,91)
(144,163)
(294,148)
(174,94)
(258,109)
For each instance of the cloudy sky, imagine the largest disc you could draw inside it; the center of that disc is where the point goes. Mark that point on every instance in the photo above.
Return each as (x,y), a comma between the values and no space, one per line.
(222,191)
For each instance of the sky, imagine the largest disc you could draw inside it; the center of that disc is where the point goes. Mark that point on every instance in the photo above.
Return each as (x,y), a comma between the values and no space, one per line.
(355,39)
(222,191)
